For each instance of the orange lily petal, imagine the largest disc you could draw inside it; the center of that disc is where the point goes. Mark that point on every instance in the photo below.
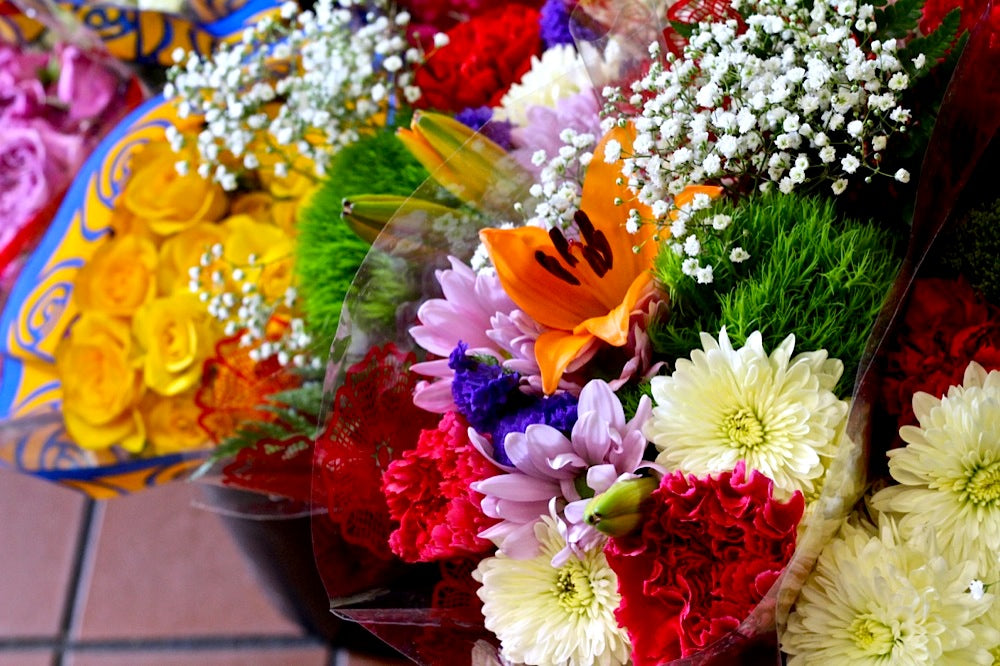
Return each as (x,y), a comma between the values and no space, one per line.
(547,299)
(613,327)
(688,194)
(554,351)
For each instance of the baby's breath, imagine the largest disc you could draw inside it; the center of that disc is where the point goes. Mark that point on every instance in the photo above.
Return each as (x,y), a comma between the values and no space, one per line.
(295,89)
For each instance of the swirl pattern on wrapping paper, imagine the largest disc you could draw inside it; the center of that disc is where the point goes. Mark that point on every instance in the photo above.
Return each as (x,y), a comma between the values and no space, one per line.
(113,178)
(54,451)
(44,309)
(108,21)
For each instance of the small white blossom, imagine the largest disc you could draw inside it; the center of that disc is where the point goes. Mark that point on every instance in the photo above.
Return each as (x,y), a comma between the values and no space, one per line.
(738,255)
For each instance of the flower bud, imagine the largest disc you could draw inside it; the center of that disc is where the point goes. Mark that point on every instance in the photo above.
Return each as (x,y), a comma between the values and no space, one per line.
(618,511)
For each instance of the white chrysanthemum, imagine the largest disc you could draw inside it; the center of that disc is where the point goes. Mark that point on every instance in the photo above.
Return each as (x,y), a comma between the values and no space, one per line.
(879,599)
(949,472)
(557,74)
(776,412)
(546,615)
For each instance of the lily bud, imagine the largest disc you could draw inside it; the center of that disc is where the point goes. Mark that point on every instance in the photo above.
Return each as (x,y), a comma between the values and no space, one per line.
(463,162)
(617,511)
(367,214)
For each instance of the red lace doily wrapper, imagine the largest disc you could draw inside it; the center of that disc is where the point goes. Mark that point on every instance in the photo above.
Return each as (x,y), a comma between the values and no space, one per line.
(275,467)
(692,12)
(234,387)
(373,421)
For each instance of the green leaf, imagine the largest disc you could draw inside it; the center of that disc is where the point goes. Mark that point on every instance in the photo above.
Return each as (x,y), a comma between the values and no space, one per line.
(685,30)
(934,46)
(899,19)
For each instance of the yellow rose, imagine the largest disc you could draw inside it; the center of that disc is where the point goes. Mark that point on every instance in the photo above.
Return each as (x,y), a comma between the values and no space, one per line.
(183,251)
(177,335)
(119,278)
(101,384)
(166,200)
(273,251)
(172,423)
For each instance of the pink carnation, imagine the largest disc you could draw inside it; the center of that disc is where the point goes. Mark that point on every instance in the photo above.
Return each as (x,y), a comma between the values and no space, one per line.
(709,550)
(429,492)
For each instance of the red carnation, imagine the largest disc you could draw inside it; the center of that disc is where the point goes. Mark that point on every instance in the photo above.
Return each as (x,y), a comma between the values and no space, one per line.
(428,492)
(707,553)
(947,325)
(483,58)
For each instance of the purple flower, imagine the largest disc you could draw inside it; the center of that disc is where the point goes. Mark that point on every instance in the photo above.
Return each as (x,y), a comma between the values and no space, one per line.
(85,86)
(578,112)
(554,22)
(481,120)
(35,162)
(547,467)
(483,391)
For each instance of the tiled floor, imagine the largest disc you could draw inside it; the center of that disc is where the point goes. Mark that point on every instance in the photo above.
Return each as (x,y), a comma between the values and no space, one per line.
(146,580)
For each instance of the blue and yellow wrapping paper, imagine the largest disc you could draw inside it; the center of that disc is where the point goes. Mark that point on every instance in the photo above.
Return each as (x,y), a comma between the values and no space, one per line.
(37,313)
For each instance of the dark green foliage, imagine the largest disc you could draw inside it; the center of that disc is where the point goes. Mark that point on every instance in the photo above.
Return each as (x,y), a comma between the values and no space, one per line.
(972,248)
(899,19)
(810,274)
(329,253)
(934,46)
(630,394)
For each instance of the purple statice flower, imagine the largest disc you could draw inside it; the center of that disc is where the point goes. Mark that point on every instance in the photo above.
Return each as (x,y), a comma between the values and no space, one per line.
(470,302)
(579,112)
(558,411)
(483,391)
(554,23)
(549,468)
(481,120)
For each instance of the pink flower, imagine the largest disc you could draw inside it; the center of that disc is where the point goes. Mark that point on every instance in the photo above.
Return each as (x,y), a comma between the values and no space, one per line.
(579,112)
(428,490)
(707,553)
(85,86)
(22,94)
(35,162)
(547,466)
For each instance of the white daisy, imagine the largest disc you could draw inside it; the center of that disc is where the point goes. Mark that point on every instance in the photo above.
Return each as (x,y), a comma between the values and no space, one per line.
(778,413)
(879,599)
(949,472)
(553,615)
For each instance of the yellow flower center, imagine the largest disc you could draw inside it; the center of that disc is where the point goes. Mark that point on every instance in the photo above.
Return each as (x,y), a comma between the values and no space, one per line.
(743,429)
(572,588)
(983,487)
(872,636)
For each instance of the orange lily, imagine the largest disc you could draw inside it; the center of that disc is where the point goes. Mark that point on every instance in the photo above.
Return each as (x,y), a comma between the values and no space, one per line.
(582,290)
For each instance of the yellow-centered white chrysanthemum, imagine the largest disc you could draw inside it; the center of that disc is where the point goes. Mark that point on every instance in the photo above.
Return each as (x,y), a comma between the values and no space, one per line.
(776,412)
(549,615)
(881,600)
(949,472)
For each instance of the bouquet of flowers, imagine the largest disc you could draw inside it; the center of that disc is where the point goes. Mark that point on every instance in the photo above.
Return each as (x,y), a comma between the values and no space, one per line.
(620,422)
(56,101)
(926,530)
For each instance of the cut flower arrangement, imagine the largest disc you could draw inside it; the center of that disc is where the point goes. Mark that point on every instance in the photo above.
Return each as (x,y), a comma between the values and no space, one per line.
(633,415)
(208,251)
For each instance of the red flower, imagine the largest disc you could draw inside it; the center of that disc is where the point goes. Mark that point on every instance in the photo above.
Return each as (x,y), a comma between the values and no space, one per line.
(707,553)
(483,57)
(935,10)
(947,325)
(428,492)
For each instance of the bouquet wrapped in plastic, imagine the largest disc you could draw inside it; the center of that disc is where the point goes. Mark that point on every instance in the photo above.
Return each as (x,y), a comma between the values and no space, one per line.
(927,528)
(611,407)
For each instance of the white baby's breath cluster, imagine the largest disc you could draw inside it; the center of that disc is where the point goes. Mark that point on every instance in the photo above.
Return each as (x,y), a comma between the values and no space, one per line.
(295,89)
(698,235)
(804,95)
(232,297)
(561,180)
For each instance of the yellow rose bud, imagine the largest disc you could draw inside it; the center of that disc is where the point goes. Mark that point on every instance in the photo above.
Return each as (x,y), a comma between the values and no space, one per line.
(119,278)
(617,511)
(166,200)
(183,251)
(100,383)
(172,423)
(177,335)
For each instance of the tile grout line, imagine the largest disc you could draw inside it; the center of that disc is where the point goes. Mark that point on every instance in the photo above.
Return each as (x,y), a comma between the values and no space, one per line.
(76,590)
